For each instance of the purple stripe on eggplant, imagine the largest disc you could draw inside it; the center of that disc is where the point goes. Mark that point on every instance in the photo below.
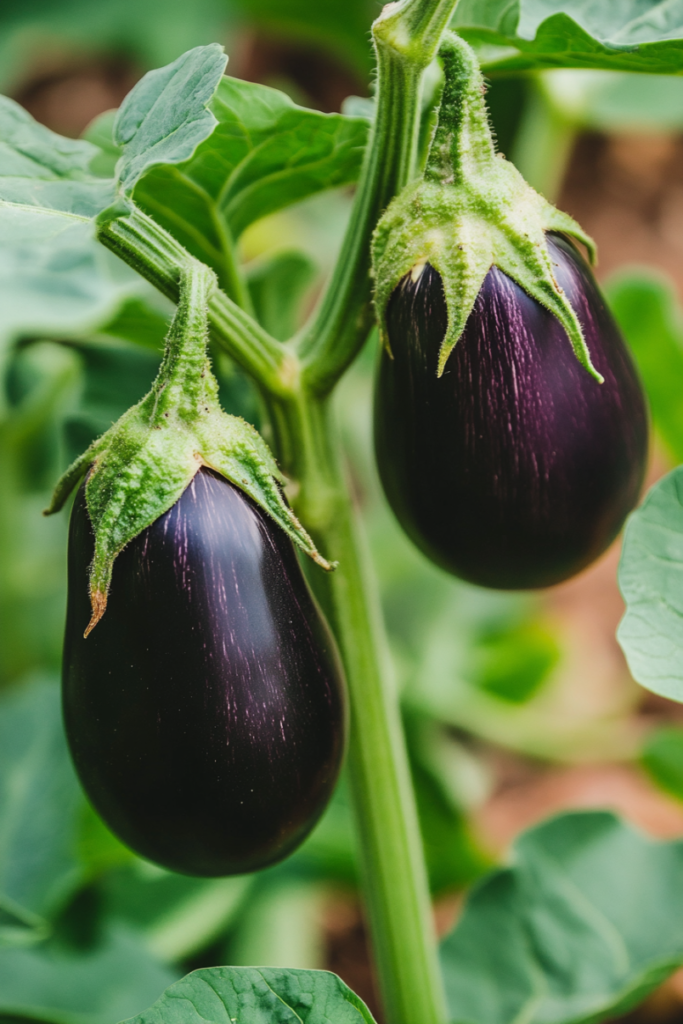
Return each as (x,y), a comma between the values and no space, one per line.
(206,712)
(515,469)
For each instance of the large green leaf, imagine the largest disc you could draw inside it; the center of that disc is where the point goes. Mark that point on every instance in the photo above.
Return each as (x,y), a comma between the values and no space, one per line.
(264,154)
(631,35)
(165,117)
(585,923)
(56,281)
(258,995)
(651,581)
(40,168)
(40,808)
(105,981)
(647,310)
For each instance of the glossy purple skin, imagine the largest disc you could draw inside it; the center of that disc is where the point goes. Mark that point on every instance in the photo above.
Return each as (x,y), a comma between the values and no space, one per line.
(515,469)
(205,713)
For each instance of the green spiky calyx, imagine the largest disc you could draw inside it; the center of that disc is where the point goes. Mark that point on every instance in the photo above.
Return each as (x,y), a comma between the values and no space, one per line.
(142,465)
(470,211)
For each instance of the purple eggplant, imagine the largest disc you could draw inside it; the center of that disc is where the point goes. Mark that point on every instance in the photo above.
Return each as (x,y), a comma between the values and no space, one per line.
(206,711)
(515,469)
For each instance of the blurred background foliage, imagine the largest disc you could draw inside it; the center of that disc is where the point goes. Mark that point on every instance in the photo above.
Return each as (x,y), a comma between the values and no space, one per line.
(515,706)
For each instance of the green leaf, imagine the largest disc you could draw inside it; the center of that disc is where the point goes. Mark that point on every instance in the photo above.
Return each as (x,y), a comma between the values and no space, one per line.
(114,378)
(283,926)
(663,758)
(585,923)
(176,915)
(264,154)
(341,26)
(277,285)
(147,32)
(103,982)
(100,132)
(41,168)
(258,995)
(651,581)
(615,101)
(517,35)
(40,806)
(513,661)
(165,117)
(437,765)
(646,307)
(54,278)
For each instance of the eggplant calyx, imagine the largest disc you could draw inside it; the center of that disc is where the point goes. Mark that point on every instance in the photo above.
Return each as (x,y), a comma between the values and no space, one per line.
(141,466)
(472,210)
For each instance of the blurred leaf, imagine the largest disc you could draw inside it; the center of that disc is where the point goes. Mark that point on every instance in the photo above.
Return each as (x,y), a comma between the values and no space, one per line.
(141,320)
(67,984)
(277,285)
(165,116)
(40,804)
(249,993)
(651,581)
(98,849)
(41,383)
(342,26)
(512,662)
(151,32)
(453,857)
(663,758)
(516,35)
(42,169)
(100,132)
(56,281)
(175,915)
(264,154)
(282,928)
(330,850)
(115,376)
(615,100)
(586,922)
(649,314)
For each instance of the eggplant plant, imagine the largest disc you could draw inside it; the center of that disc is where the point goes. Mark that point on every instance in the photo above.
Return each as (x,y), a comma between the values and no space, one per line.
(204,700)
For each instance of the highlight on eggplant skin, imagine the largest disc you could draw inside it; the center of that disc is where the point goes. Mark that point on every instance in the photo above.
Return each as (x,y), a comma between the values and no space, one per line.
(206,712)
(515,469)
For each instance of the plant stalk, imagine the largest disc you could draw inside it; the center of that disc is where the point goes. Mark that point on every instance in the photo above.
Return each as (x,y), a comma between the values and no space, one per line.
(406,38)
(392,859)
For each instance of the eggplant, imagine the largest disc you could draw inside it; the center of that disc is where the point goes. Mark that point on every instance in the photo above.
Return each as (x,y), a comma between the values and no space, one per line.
(515,469)
(206,712)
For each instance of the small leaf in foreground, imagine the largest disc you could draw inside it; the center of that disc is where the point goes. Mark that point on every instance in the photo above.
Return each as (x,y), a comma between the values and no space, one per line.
(586,922)
(165,117)
(258,995)
(651,582)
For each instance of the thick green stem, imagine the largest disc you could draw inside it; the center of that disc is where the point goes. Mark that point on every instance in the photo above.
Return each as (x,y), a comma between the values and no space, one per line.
(406,38)
(395,882)
(155,254)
